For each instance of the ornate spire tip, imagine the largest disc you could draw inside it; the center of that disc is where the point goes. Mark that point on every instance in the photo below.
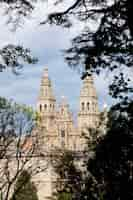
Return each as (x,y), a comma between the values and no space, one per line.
(46,72)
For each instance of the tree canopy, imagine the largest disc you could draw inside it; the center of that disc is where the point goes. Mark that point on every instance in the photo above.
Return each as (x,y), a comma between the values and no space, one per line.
(111,169)
(16,124)
(14,57)
(106,41)
(68,183)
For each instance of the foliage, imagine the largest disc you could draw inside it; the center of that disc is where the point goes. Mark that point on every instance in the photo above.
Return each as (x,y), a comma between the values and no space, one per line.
(14,117)
(24,188)
(17,10)
(110,171)
(14,57)
(16,145)
(64,195)
(68,185)
(106,41)
(4,103)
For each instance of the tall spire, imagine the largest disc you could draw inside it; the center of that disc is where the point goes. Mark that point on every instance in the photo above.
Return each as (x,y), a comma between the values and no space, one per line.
(46,91)
(88,113)
(46,100)
(46,106)
(88,91)
(46,72)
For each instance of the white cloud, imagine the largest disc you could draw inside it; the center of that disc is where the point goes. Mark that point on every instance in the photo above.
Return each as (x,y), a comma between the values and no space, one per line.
(46,43)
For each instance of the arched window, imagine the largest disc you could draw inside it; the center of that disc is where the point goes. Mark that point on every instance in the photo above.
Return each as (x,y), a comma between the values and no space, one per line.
(40,107)
(88,105)
(94,107)
(83,106)
(45,106)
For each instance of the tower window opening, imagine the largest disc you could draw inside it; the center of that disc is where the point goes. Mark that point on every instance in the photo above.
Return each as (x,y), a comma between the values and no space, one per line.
(45,106)
(83,106)
(94,107)
(88,106)
(40,107)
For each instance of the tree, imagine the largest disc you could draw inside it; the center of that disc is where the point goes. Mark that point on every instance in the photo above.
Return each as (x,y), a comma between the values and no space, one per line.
(106,42)
(68,183)
(18,10)
(64,195)
(111,169)
(111,39)
(24,188)
(18,146)
(14,57)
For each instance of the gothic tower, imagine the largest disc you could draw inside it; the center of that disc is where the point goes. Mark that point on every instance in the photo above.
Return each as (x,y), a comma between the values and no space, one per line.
(88,114)
(46,102)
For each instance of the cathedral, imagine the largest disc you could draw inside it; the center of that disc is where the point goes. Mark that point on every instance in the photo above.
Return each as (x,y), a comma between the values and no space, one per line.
(57,127)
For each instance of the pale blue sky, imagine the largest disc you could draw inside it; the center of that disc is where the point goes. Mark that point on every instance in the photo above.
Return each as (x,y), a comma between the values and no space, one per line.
(46,43)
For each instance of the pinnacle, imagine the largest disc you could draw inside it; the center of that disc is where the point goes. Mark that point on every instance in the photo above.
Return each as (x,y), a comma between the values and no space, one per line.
(46,72)
(63,100)
(46,91)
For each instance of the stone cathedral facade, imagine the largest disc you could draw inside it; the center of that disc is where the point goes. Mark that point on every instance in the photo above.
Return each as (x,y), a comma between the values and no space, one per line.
(57,122)
(57,127)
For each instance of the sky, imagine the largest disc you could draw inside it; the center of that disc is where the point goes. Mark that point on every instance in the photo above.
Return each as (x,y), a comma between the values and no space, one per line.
(46,43)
